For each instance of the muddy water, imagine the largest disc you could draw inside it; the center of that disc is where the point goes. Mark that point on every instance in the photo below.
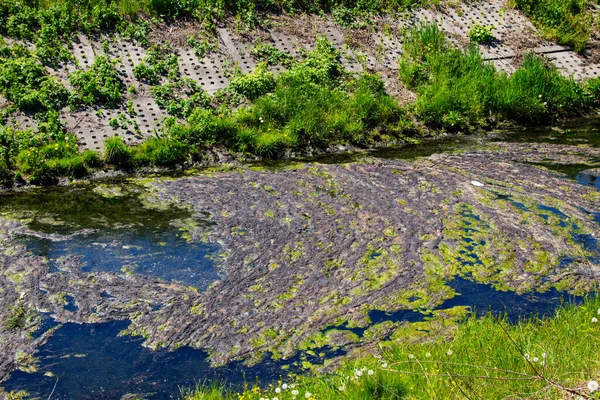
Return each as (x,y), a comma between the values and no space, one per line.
(116,228)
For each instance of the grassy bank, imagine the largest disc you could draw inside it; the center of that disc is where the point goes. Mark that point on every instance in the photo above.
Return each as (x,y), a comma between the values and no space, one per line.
(313,104)
(483,358)
(456,90)
(569,22)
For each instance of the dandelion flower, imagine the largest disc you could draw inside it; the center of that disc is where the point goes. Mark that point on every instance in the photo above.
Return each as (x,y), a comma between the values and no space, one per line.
(275,398)
(384,365)
(535,359)
(427,355)
(592,385)
(594,320)
(284,386)
(449,352)
(526,356)
(278,390)
(411,356)
(342,388)
(294,393)
(307,395)
(358,373)
(370,372)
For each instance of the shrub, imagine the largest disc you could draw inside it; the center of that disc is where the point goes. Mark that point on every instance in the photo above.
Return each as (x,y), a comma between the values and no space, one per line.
(99,84)
(51,161)
(27,83)
(255,84)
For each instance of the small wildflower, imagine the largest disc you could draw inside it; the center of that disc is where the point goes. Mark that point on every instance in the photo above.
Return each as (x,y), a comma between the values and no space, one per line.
(427,355)
(540,96)
(370,372)
(284,386)
(411,356)
(594,320)
(342,388)
(384,365)
(449,352)
(358,373)
(535,359)
(526,356)
(544,355)
(277,390)
(307,395)
(592,385)
(294,393)
(275,398)
(599,311)
(293,385)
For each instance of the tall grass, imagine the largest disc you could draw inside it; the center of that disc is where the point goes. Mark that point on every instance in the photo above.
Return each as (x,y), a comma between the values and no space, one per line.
(569,22)
(458,91)
(483,358)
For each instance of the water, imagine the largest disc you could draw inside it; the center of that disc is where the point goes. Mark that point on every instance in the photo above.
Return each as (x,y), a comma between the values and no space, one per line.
(114,229)
(90,361)
(113,233)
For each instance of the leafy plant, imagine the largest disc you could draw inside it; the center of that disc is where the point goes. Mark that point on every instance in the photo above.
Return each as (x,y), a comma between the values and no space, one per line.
(269,54)
(257,83)
(99,84)
(481,33)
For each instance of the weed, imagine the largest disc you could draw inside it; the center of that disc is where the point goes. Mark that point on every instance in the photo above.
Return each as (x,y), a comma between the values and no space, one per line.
(99,84)
(481,33)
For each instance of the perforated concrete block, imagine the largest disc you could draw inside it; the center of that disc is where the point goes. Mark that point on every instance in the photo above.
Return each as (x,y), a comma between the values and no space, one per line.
(571,64)
(208,71)
(237,49)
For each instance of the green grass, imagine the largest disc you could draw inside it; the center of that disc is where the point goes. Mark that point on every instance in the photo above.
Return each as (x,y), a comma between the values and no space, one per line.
(569,22)
(458,91)
(482,358)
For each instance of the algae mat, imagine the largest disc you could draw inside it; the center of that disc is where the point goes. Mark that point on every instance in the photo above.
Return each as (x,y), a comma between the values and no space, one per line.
(311,247)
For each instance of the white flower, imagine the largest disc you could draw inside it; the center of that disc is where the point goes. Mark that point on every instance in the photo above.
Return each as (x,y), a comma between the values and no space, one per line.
(526,356)
(535,359)
(594,320)
(294,392)
(370,372)
(477,183)
(275,398)
(449,352)
(427,355)
(592,385)
(540,96)
(358,373)
(363,369)
(342,388)
(542,363)
(384,365)
(307,395)
(543,355)
(411,356)
(277,390)
(284,386)
(599,311)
